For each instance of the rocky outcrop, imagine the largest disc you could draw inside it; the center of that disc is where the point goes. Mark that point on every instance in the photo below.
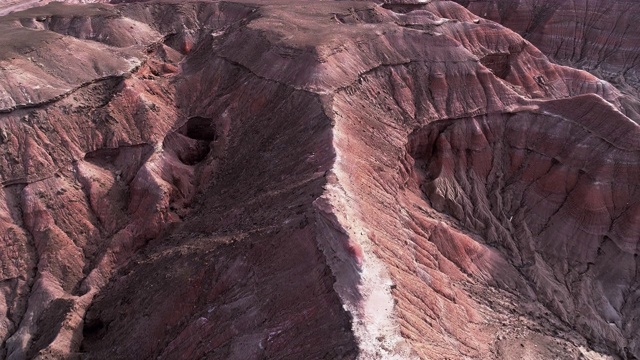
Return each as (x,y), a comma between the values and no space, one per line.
(317,180)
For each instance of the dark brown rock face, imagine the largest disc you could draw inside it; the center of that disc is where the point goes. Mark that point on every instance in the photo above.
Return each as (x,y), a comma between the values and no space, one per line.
(234,180)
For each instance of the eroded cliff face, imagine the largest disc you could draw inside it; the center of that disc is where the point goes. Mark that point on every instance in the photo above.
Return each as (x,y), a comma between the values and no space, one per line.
(315,180)
(598,36)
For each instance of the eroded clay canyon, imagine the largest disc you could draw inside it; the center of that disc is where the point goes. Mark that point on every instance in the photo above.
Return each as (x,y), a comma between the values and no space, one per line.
(320,180)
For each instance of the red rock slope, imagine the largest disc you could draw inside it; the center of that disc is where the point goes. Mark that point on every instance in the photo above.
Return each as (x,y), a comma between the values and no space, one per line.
(599,36)
(315,180)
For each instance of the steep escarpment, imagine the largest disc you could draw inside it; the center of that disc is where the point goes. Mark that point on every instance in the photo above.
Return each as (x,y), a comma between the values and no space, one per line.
(561,213)
(230,284)
(597,36)
(402,99)
(318,180)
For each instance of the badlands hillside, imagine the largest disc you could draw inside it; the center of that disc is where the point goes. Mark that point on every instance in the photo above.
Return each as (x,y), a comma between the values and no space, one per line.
(320,180)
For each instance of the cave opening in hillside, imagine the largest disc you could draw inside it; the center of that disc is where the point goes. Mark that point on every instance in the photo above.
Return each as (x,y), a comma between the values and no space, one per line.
(199,128)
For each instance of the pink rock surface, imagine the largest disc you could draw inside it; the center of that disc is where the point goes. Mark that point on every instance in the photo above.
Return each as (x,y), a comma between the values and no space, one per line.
(235,180)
